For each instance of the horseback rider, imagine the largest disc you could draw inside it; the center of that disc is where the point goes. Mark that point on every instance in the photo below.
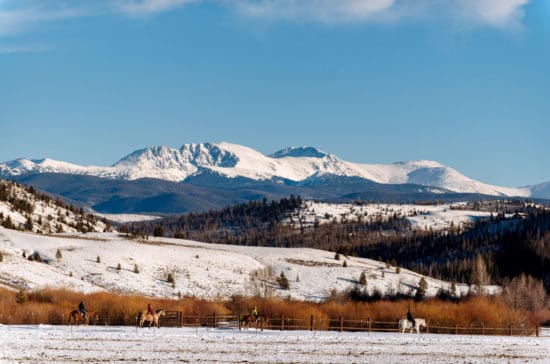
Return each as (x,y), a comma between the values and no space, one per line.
(82,309)
(150,309)
(254,313)
(410,317)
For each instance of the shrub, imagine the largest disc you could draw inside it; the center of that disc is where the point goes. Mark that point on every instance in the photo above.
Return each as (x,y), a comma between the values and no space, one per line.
(1,257)
(136,268)
(170,279)
(20,297)
(118,267)
(98,259)
(49,305)
(345,264)
(58,254)
(283,281)
(337,256)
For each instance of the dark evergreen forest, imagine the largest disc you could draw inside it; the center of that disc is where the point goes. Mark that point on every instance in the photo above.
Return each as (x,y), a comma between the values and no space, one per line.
(514,240)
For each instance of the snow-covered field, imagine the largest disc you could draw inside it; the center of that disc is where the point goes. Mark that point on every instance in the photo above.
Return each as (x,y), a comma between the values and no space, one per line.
(61,344)
(89,262)
(125,218)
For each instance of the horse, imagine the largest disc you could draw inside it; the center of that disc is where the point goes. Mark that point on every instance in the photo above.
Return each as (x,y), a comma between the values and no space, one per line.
(153,319)
(405,324)
(75,317)
(248,320)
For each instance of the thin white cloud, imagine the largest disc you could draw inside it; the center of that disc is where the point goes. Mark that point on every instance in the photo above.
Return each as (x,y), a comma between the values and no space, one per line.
(20,15)
(328,11)
(496,13)
(15,18)
(27,48)
(138,7)
(492,12)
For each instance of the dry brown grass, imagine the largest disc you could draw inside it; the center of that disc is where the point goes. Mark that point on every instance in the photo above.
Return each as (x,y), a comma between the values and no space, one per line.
(53,306)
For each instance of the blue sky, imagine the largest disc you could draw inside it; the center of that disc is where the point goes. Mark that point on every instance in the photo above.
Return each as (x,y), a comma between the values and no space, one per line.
(463,82)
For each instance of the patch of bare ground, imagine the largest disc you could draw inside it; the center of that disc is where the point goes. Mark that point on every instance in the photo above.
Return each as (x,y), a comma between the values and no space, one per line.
(80,237)
(311,263)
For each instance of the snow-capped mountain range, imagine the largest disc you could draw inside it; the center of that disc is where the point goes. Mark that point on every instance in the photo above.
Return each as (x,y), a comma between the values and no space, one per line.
(292,165)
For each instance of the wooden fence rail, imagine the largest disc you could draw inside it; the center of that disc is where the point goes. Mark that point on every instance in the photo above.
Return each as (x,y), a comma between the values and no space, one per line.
(177,319)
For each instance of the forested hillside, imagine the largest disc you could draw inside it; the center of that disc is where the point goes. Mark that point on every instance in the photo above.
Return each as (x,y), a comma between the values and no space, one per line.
(514,240)
(25,208)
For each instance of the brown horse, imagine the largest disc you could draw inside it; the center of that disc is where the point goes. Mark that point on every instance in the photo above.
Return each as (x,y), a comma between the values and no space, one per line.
(75,317)
(249,320)
(153,319)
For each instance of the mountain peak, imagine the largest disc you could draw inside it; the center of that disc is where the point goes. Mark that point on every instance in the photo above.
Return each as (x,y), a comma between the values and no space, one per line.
(238,161)
(297,152)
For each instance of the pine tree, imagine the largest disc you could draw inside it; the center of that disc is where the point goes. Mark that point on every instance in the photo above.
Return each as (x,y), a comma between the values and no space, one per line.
(363,279)
(28,224)
(421,289)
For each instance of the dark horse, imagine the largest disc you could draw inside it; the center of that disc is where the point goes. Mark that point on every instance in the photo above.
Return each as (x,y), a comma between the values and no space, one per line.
(152,318)
(249,320)
(75,317)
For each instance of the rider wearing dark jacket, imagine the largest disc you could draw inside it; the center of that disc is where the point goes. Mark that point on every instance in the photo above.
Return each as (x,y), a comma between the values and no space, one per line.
(150,309)
(82,309)
(410,317)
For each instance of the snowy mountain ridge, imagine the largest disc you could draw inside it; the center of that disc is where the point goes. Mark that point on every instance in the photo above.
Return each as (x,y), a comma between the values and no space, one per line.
(294,164)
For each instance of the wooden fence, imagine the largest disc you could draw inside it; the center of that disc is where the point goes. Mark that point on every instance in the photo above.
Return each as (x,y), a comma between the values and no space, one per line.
(177,319)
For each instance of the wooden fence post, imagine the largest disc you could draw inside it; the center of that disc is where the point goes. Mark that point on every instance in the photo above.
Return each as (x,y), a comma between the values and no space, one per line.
(282,322)
(456,329)
(482,329)
(538,330)
(311,323)
(369,324)
(181,318)
(427,327)
(510,330)
(239,321)
(341,324)
(214,323)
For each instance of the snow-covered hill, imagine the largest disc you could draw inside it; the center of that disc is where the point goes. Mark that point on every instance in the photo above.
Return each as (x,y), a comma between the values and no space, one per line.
(90,262)
(295,164)
(421,217)
(27,209)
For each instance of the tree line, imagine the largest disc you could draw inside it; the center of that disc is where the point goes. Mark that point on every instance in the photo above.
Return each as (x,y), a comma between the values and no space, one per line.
(513,241)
